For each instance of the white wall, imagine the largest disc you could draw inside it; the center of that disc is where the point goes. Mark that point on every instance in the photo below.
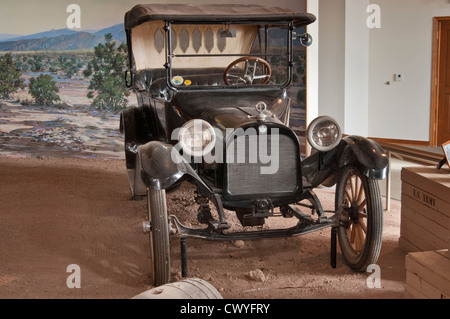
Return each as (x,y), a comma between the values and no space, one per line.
(331,41)
(344,63)
(403,44)
(312,64)
(356,67)
(365,105)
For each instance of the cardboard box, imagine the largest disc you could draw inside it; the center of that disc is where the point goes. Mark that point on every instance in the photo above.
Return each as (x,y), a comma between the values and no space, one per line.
(425,211)
(428,275)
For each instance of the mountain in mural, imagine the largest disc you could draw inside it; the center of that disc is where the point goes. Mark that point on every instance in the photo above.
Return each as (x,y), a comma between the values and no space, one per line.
(8,37)
(117,31)
(61,39)
(40,35)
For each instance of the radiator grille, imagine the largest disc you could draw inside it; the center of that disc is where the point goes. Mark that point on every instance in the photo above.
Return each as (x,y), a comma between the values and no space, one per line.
(249,173)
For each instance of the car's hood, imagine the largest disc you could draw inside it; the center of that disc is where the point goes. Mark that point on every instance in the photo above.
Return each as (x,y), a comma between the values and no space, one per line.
(231,109)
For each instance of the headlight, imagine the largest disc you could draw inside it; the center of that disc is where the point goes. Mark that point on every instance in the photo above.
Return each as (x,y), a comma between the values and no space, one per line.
(324,133)
(197,137)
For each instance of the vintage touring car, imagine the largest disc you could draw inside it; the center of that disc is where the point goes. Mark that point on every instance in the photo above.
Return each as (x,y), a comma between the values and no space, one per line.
(213,110)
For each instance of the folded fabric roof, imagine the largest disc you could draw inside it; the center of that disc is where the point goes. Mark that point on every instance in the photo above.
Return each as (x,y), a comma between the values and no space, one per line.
(213,13)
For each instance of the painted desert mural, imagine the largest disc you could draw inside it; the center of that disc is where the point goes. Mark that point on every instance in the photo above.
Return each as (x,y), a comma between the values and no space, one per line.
(52,103)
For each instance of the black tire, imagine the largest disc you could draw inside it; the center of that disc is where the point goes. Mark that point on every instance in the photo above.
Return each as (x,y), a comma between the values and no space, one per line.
(159,236)
(360,233)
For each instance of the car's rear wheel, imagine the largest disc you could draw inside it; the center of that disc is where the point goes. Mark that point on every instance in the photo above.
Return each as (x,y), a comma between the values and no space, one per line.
(360,233)
(159,236)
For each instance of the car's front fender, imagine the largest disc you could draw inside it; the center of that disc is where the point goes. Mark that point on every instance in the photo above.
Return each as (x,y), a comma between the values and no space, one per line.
(366,154)
(161,166)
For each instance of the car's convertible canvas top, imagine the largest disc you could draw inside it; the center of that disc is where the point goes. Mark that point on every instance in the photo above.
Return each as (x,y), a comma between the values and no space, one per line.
(212,13)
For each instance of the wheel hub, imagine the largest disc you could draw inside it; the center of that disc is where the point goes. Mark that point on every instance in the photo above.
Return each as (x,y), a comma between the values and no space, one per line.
(354,213)
(349,215)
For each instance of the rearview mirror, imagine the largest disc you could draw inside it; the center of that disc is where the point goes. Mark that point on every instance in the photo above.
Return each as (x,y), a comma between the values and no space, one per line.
(227,33)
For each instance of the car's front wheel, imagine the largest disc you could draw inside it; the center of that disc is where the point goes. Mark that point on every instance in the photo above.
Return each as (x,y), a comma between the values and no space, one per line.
(360,233)
(159,236)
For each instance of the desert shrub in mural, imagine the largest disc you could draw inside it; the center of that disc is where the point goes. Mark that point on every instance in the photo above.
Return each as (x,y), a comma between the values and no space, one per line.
(44,90)
(69,64)
(47,113)
(10,76)
(59,94)
(105,71)
(64,64)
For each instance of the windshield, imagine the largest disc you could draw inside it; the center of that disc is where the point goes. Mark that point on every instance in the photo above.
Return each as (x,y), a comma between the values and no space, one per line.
(215,55)
(231,55)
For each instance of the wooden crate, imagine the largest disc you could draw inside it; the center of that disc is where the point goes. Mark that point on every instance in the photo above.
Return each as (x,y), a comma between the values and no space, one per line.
(428,275)
(425,211)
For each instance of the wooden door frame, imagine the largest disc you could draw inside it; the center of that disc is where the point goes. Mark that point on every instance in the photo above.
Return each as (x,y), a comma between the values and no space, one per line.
(434,79)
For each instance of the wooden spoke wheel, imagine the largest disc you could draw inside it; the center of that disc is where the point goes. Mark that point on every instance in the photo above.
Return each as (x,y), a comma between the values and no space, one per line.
(360,233)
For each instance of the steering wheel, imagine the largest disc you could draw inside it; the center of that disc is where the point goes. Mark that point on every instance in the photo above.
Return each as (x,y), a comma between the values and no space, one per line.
(249,73)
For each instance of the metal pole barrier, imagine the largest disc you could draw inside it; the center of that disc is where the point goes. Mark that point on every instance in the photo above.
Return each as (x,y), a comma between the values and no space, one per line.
(388,184)
(184,268)
(333,247)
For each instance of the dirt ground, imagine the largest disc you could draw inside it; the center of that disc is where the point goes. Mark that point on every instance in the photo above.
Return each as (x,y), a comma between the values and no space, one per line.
(60,212)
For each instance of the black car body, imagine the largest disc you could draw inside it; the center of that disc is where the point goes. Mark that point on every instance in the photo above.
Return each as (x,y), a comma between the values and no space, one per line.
(211,83)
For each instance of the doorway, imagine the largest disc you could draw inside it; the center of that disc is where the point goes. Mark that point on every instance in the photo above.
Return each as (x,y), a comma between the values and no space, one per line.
(440,89)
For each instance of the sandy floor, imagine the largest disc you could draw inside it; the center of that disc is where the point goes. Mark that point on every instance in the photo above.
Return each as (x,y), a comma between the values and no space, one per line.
(60,212)
(65,201)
